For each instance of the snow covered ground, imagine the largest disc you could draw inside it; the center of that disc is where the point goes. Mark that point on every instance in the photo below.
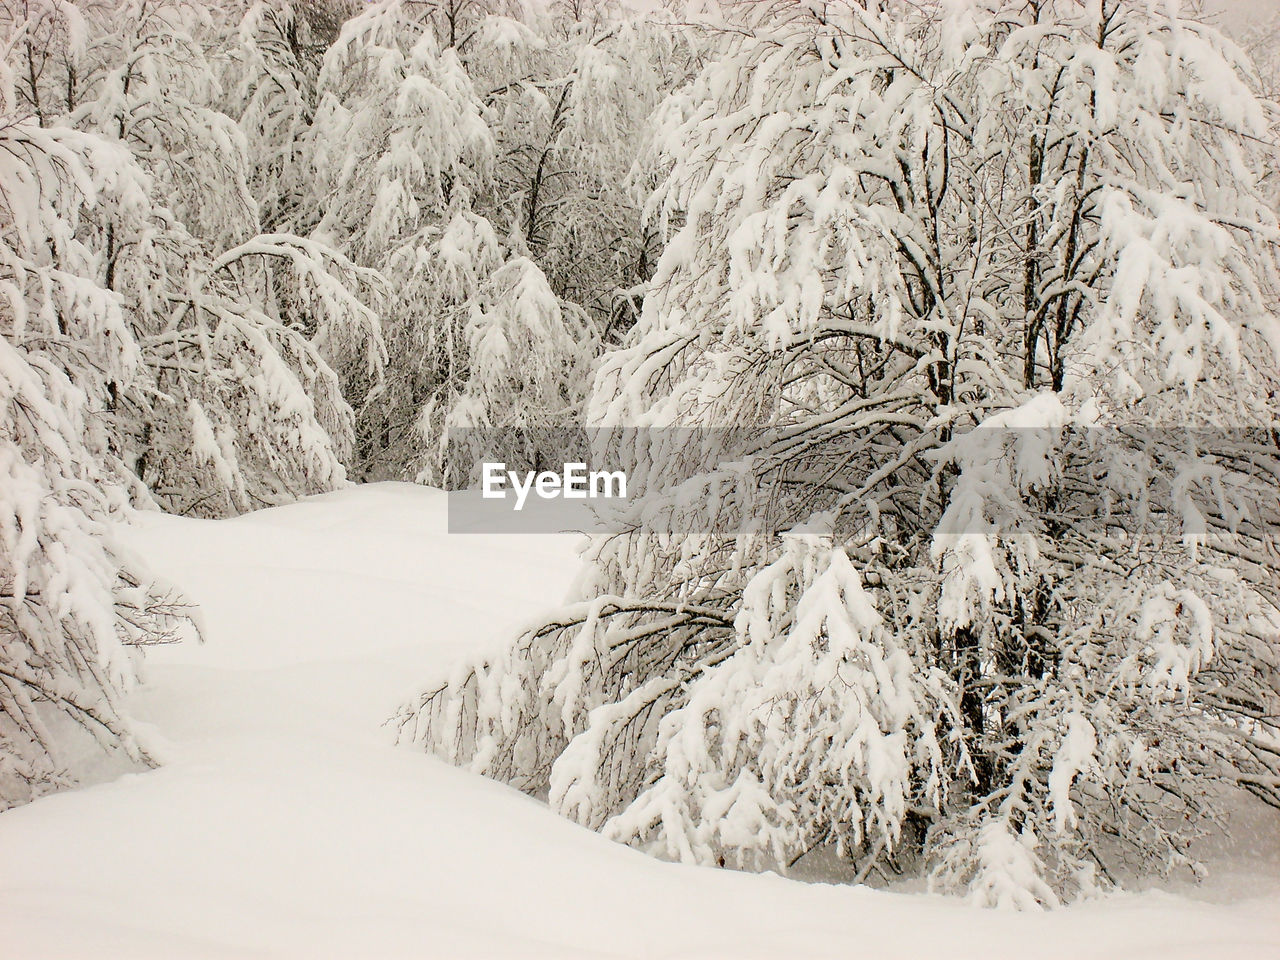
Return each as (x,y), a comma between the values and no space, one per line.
(286,824)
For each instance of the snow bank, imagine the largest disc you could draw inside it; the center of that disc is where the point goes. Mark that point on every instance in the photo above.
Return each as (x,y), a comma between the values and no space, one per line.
(285,824)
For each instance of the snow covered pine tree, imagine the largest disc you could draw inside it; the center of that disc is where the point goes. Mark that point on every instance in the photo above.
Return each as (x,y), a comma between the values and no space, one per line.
(978,267)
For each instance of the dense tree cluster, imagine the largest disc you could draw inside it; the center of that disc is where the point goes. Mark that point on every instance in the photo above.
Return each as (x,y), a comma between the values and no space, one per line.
(996,281)
(991,285)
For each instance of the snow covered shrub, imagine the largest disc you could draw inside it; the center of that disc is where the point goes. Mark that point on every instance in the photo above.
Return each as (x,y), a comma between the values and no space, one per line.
(997,283)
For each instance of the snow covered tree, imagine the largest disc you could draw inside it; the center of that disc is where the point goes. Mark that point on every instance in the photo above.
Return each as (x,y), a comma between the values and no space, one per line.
(269,88)
(493,139)
(144,78)
(239,331)
(569,131)
(1260,43)
(249,411)
(401,147)
(527,355)
(72,600)
(154,347)
(994,282)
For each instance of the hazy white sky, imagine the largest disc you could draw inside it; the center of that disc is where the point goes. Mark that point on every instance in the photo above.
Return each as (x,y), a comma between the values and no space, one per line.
(1237,14)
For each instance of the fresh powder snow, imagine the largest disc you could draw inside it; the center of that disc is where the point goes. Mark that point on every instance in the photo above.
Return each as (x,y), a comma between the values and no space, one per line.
(286,823)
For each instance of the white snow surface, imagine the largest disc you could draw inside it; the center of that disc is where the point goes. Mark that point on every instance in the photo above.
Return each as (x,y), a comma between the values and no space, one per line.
(286,823)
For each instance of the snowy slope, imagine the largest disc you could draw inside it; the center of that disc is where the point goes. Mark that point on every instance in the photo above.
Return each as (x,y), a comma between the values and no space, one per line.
(285,824)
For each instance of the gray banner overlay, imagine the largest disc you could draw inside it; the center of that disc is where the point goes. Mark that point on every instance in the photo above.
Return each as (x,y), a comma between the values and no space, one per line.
(1125,482)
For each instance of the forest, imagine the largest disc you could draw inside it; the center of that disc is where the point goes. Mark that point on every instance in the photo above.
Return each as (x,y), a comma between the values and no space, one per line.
(993,285)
